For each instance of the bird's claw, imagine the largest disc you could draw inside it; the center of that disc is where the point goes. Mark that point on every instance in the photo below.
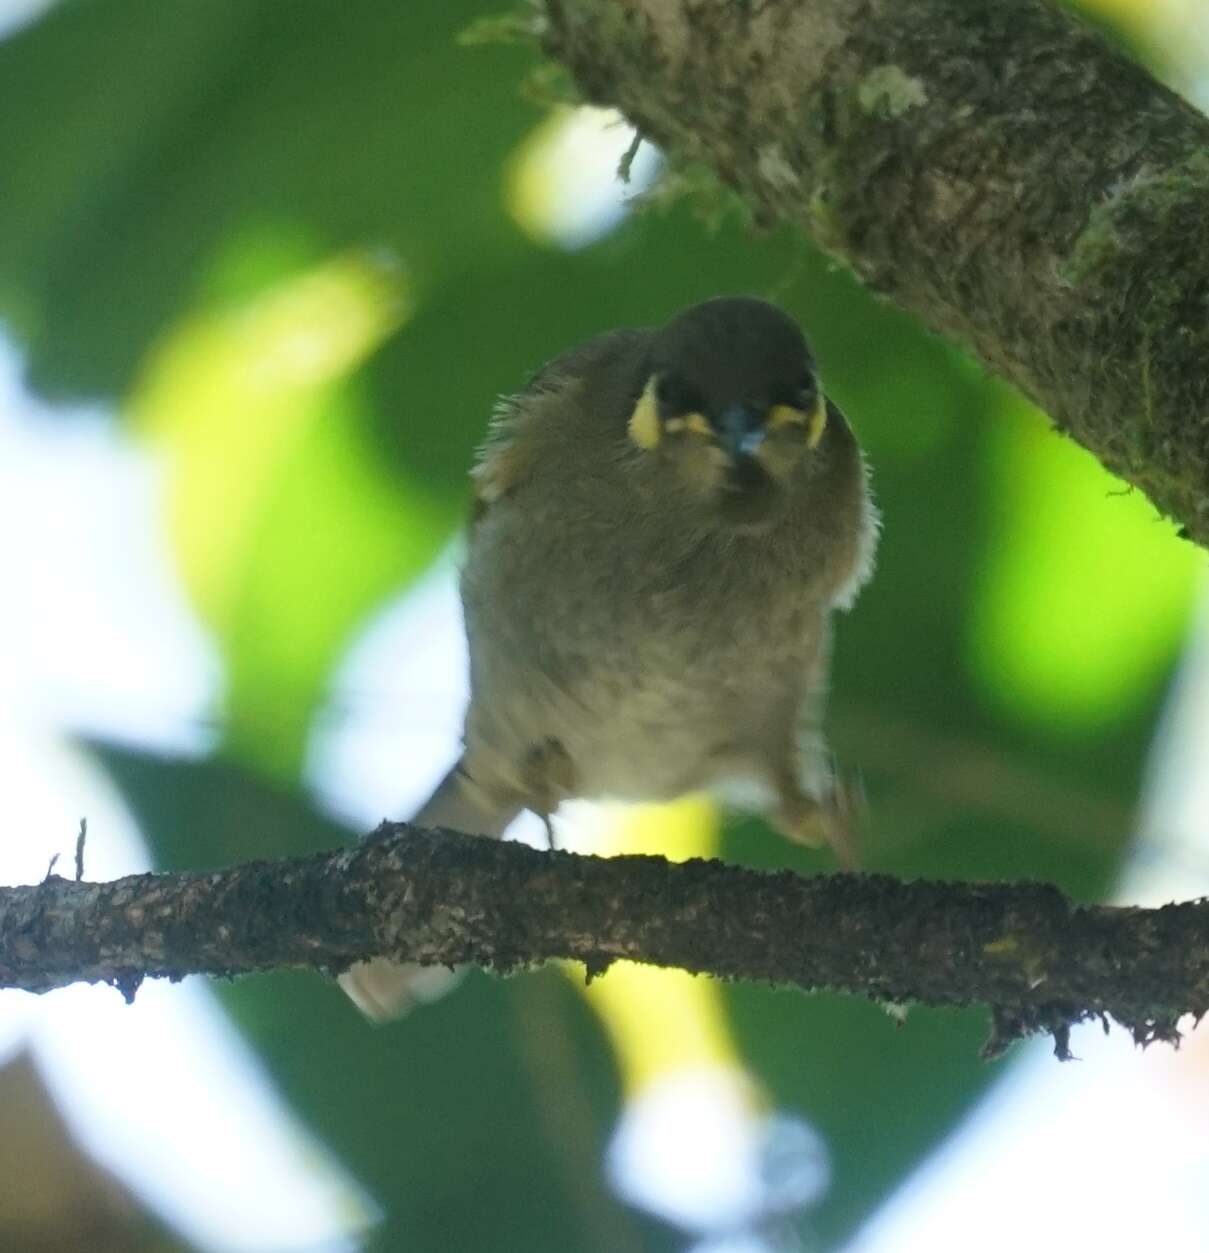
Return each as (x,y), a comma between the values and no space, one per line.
(833,822)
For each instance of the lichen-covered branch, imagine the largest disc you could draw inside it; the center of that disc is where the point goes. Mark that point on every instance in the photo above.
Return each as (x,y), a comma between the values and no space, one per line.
(991,165)
(1038,961)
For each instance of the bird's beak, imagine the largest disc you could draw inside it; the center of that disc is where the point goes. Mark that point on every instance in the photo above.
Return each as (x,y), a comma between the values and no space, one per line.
(741,429)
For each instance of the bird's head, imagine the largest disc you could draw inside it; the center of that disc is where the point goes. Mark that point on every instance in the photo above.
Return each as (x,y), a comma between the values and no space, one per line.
(731,406)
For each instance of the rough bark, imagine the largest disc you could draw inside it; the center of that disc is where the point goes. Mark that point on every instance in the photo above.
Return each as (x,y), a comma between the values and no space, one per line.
(991,165)
(1038,961)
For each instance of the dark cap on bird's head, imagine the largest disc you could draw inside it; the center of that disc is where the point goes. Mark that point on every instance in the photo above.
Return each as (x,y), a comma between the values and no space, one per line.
(734,350)
(734,372)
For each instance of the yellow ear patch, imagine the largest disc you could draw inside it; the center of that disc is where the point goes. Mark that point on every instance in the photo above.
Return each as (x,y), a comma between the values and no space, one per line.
(818,422)
(644,421)
(781,416)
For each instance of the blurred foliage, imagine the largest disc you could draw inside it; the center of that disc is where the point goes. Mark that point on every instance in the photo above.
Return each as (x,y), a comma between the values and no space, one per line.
(275,239)
(55,1197)
(1107,572)
(257,408)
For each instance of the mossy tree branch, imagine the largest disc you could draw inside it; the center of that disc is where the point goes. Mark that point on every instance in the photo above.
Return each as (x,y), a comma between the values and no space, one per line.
(1037,961)
(990,165)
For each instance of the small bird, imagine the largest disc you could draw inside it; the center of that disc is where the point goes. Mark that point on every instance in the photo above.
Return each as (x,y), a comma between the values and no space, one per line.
(664,521)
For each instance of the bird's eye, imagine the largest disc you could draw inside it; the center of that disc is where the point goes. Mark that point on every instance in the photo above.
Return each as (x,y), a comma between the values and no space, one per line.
(674,396)
(806,394)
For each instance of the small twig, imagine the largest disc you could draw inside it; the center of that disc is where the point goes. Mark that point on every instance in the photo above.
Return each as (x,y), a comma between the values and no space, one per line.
(626,165)
(80,849)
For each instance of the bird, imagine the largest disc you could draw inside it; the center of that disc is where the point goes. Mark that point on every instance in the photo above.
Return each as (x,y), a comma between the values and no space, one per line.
(665,521)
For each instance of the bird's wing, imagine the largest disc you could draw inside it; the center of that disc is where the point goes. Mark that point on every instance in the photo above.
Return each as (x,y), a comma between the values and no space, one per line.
(864,535)
(508,454)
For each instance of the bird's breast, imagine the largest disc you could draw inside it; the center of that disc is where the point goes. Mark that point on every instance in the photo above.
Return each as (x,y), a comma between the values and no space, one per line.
(645,662)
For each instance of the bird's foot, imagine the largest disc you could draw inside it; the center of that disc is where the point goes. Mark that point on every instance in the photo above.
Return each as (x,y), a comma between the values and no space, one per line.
(549,776)
(832,822)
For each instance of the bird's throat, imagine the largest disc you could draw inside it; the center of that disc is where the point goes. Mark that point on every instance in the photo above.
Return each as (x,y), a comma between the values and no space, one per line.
(748,496)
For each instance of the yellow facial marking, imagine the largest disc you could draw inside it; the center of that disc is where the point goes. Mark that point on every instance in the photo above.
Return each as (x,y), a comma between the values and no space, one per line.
(646,428)
(693,422)
(644,421)
(818,422)
(781,416)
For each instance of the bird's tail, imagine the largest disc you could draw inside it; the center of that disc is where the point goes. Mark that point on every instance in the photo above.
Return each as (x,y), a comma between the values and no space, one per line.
(457,805)
(382,989)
